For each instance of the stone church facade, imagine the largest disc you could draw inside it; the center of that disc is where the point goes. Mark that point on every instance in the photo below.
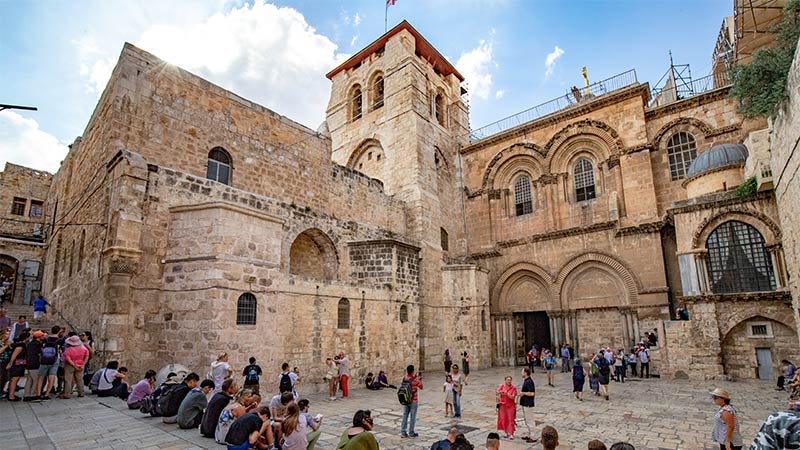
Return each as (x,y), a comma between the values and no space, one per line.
(189,221)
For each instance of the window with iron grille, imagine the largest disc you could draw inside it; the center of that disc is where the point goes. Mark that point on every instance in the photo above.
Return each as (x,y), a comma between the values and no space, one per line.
(378,93)
(343,314)
(36,208)
(758,330)
(738,260)
(355,102)
(18,207)
(522,196)
(445,239)
(403,314)
(584,180)
(246,309)
(438,108)
(681,149)
(219,165)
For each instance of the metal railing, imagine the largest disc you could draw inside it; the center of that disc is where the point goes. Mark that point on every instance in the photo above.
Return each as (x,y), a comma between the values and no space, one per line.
(682,89)
(619,81)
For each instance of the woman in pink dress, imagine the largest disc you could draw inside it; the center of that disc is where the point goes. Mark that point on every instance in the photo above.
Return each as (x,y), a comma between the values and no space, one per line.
(507,408)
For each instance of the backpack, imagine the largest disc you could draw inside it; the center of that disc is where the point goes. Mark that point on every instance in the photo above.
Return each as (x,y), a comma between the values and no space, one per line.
(148,405)
(252,375)
(593,370)
(164,400)
(49,355)
(405,393)
(286,383)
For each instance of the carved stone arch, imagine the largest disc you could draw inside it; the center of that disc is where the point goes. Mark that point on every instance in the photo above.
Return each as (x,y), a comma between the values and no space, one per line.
(525,277)
(440,160)
(680,124)
(536,153)
(596,128)
(375,91)
(581,146)
(603,262)
(312,254)
(740,317)
(769,230)
(514,166)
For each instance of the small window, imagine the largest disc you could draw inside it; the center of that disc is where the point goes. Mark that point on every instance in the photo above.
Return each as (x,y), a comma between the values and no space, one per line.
(483,320)
(343,314)
(80,250)
(356,102)
(57,263)
(584,180)
(246,309)
(18,207)
(71,257)
(377,88)
(759,330)
(438,108)
(445,239)
(403,314)
(36,208)
(681,150)
(523,203)
(219,166)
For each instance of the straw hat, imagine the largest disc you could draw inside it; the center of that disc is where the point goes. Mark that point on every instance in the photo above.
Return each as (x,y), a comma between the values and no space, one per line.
(721,393)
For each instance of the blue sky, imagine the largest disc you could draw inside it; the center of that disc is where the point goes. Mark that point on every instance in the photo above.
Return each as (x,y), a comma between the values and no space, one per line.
(57,55)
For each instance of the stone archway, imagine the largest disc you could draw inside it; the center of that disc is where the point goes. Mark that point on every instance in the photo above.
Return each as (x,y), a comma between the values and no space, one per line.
(313,255)
(743,341)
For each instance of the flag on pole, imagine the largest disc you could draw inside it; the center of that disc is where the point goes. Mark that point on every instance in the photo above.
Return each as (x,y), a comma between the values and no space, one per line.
(390,2)
(386,14)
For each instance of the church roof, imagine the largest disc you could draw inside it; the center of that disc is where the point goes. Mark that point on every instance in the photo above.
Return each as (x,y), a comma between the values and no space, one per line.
(423,48)
(717,156)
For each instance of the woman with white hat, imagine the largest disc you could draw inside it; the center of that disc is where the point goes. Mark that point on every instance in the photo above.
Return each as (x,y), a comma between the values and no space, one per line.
(726,426)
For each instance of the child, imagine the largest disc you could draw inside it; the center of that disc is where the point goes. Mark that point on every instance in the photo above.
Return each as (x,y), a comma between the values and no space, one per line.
(448,396)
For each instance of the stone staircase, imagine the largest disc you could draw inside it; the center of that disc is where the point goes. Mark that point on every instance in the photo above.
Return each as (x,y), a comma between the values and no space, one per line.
(51,318)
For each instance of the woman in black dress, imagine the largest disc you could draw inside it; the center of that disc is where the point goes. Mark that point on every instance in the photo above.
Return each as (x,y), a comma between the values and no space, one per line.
(465,366)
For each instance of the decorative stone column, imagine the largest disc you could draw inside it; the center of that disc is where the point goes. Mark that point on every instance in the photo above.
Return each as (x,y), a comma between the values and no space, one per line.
(777,265)
(702,272)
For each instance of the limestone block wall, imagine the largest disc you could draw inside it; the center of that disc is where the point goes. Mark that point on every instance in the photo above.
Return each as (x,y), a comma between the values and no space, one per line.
(465,317)
(785,162)
(30,185)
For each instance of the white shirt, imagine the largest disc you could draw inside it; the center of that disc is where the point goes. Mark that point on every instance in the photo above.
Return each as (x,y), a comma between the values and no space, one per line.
(219,370)
(343,369)
(292,376)
(106,378)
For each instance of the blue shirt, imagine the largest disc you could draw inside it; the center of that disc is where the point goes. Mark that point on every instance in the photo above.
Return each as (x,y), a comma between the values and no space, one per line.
(40,304)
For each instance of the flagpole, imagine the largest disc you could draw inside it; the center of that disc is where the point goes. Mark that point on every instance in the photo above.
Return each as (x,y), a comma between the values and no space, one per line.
(386,17)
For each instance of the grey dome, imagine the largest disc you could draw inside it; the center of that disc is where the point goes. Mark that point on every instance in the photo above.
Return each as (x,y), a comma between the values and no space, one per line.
(716,157)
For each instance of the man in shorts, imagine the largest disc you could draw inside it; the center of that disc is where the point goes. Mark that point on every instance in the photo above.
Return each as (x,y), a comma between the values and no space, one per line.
(49,362)
(39,309)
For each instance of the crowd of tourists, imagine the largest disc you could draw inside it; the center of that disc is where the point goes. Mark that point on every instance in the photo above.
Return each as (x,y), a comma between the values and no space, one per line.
(60,363)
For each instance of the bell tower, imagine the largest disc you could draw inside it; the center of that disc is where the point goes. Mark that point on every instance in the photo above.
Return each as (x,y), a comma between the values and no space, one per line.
(397,114)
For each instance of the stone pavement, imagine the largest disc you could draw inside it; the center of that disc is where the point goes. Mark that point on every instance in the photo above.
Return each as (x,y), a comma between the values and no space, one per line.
(650,414)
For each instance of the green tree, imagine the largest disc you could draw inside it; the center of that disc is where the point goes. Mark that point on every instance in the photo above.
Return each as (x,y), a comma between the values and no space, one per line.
(760,85)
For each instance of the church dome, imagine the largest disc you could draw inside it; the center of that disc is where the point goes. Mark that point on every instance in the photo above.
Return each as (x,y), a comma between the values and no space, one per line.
(716,157)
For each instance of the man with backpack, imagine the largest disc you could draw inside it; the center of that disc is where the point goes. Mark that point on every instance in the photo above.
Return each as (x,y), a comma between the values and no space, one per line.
(48,363)
(287,379)
(111,382)
(170,401)
(252,374)
(407,395)
(34,355)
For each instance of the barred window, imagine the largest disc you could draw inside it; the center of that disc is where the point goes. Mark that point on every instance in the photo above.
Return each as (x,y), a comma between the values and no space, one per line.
(681,149)
(18,207)
(219,165)
(445,239)
(438,108)
(738,260)
(343,314)
(403,314)
(246,309)
(355,102)
(584,180)
(377,89)
(522,196)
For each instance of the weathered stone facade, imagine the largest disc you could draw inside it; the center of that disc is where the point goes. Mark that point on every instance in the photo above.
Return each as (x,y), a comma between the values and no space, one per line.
(205,223)
(785,162)
(23,192)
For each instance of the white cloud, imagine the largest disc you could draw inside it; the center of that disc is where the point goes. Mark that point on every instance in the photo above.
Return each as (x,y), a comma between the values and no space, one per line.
(499,94)
(263,52)
(476,66)
(356,20)
(353,41)
(550,61)
(22,142)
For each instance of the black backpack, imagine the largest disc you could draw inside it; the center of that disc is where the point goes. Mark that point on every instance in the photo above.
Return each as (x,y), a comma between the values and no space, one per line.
(286,383)
(405,394)
(164,400)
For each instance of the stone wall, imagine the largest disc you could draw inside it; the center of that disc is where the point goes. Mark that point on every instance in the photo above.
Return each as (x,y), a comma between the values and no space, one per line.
(785,162)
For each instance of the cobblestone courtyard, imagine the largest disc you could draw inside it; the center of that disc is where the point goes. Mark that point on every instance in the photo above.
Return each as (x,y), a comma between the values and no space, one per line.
(650,414)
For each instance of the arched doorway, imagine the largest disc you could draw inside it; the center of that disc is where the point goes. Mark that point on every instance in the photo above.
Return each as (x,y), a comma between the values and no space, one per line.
(8,278)
(754,348)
